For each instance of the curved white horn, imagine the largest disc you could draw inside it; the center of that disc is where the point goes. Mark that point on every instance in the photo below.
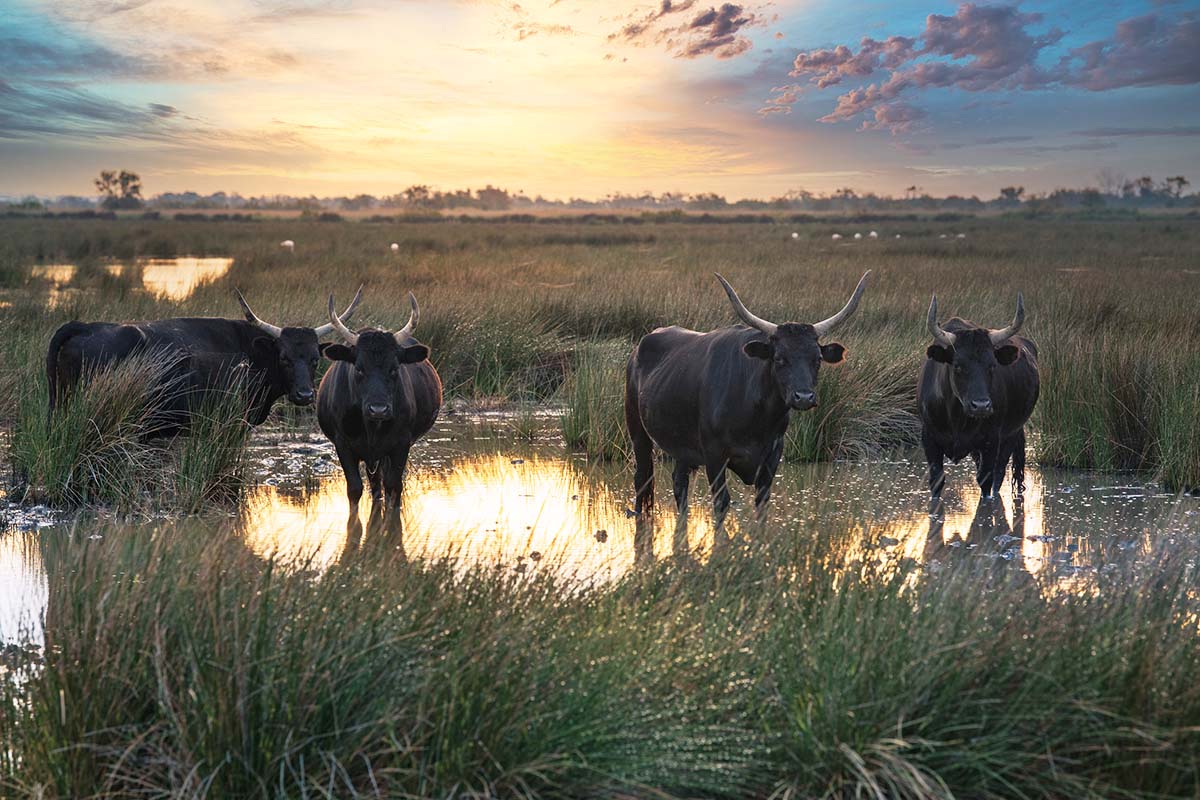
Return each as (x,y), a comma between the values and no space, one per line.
(345,317)
(413,316)
(825,326)
(266,327)
(1018,320)
(349,336)
(769,328)
(942,337)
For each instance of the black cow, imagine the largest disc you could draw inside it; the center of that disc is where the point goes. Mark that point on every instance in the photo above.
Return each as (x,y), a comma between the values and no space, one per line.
(204,353)
(977,390)
(380,396)
(721,399)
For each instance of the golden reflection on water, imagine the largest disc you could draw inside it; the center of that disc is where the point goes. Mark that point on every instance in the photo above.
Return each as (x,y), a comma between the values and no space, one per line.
(527,513)
(171,278)
(23,588)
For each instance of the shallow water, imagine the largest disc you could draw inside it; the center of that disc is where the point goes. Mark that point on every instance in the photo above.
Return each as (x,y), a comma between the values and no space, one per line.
(475,492)
(172,278)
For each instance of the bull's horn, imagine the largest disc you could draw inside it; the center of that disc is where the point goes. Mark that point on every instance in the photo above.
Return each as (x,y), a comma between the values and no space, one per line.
(942,337)
(1004,333)
(345,317)
(349,336)
(405,332)
(768,328)
(266,327)
(825,326)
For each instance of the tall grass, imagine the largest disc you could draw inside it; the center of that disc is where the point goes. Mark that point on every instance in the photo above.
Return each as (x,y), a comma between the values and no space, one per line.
(594,416)
(178,663)
(99,447)
(506,303)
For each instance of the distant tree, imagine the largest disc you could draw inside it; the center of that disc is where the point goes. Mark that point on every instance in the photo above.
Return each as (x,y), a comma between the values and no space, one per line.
(417,195)
(119,189)
(1012,194)
(1092,198)
(1176,185)
(1111,181)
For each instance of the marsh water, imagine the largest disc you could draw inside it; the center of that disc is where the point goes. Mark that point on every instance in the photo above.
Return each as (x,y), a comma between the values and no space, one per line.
(172,278)
(479,493)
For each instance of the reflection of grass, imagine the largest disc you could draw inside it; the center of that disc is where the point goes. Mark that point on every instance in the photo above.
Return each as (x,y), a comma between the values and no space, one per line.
(179,663)
(505,306)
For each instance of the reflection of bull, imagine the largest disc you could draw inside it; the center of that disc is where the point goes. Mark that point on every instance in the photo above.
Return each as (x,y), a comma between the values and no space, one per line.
(995,542)
(977,390)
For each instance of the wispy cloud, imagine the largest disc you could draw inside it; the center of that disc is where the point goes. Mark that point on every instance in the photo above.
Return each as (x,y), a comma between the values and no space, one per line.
(1172,130)
(716,31)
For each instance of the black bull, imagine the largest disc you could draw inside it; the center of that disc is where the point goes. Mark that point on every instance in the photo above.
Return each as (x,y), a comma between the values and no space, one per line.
(201,355)
(721,400)
(977,390)
(380,396)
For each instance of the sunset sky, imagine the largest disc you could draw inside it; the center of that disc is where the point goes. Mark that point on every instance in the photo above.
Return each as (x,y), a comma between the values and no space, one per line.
(579,98)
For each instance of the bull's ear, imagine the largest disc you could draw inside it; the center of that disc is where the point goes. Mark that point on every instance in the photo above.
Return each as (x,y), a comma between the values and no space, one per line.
(757,349)
(1007,354)
(939,353)
(413,354)
(833,353)
(338,352)
(264,348)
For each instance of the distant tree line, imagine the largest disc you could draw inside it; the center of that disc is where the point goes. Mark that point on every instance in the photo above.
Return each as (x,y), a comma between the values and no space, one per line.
(123,190)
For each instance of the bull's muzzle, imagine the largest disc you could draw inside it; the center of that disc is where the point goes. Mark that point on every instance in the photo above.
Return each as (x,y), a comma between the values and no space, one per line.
(379,412)
(302,397)
(802,401)
(979,408)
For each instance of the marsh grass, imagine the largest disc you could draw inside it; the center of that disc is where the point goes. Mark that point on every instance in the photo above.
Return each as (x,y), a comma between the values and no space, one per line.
(594,392)
(100,448)
(507,304)
(789,666)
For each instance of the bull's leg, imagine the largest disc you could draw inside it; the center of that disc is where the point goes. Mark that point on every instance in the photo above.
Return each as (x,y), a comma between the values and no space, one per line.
(393,477)
(354,484)
(763,479)
(375,481)
(937,466)
(718,487)
(682,480)
(986,466)
(1018,464)
(643,472)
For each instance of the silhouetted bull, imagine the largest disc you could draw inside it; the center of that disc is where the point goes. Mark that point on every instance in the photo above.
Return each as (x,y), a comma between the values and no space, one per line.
(380,396)
(206,351)
(977,390)
(721,399)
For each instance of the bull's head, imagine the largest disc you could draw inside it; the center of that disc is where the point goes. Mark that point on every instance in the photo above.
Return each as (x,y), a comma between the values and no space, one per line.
(793,349)
(291,354)
(377,357)
(972,355)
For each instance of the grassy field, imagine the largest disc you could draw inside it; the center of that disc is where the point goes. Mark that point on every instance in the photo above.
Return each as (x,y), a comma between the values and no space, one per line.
(177,663)
(790,664)
(547,310)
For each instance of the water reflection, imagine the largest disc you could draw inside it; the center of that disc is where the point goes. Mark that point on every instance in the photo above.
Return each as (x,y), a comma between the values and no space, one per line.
(527,508)
(171,278)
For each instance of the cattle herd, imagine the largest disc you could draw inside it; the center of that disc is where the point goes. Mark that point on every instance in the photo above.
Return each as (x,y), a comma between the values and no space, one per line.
(719,400)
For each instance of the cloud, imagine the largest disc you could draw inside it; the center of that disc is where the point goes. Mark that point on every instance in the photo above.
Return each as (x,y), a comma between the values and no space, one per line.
(715,31)
(1149,50)
(1176,130)
(527,29)
(895,117)
(23,55)
(992,48)
(55,108)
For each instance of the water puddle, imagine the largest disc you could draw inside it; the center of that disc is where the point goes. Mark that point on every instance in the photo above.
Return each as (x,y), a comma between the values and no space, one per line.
(477,494)
(171,278)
